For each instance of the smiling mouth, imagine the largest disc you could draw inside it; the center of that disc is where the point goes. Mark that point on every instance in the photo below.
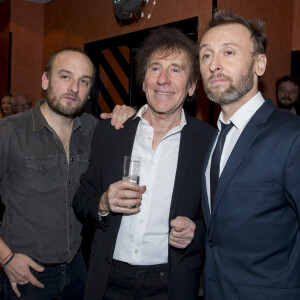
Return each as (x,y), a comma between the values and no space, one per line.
(164,93)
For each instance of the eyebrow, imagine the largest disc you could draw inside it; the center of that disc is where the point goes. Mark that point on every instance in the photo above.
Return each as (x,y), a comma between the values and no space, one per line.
(223,45)
(69,72)
(183,67)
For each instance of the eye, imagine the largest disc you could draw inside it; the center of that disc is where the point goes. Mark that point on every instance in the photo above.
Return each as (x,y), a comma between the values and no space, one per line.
(229,53)
(155,68)
(65,77)
(205,57)
(175,70)
(85,82)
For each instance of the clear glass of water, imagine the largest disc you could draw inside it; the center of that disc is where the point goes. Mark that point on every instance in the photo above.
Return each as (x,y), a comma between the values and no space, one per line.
(131,169)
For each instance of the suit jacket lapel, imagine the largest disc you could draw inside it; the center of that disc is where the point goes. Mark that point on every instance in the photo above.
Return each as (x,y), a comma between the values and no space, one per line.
(184,155)
(205,206)
(247,138)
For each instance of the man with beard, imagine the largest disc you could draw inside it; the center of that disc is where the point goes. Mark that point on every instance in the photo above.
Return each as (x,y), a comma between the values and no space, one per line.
(251,203)
(287,93)
(43,153)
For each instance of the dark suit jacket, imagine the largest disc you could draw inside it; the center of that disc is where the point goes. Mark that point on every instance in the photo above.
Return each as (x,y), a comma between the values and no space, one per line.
(253,238)
(108,149)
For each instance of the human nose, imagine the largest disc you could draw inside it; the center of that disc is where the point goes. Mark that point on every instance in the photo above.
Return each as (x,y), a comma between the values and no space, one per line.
(163,77)
(74,86)
(215,65)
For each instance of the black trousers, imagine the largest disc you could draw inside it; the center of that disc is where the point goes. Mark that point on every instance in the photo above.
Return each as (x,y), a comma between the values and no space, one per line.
(137,282)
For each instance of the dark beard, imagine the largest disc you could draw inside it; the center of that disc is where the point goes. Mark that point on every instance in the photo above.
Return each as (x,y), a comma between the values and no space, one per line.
(55,105)
(284,105)
(233,92)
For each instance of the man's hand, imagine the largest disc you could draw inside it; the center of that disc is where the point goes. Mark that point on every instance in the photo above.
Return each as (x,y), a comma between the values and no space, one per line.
(18,272)
(182,232)
(120,114)
(122,197)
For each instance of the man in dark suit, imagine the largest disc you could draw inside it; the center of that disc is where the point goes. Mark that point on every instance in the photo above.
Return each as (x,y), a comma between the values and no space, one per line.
(144,249)
(253,238)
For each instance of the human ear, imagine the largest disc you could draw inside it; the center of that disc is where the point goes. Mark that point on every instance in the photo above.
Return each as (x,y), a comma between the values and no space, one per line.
(261,64)
(45,81)
(191,89)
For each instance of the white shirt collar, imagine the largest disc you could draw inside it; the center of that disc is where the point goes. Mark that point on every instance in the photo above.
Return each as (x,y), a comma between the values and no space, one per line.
(144,108)
(242,116)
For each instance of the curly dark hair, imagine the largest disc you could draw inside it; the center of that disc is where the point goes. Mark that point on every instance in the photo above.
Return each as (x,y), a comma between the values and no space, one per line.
(256,27)
(166,39)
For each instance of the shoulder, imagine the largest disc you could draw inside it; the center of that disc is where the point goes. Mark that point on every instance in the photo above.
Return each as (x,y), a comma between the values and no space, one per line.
(285,121)
(18,121)
(88,121)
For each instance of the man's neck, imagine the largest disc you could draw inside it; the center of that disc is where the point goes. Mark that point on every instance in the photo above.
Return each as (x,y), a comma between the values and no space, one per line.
(161,123)
(56,121)
(291,110)
(230,109)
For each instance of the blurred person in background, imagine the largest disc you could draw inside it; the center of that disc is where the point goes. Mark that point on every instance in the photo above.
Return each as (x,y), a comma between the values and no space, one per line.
(287,93)
(6,105)
(21,102)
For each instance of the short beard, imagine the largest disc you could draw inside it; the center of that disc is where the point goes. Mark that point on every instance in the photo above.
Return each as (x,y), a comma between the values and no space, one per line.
(234,92)
(63,110)
(284,105)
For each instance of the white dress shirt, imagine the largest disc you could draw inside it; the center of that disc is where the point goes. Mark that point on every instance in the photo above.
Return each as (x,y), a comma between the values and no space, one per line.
(240,119)
(143,237)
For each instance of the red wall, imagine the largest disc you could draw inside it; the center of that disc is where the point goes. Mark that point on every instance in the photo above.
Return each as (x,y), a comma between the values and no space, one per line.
(27,47)
(4,42)
(296,26)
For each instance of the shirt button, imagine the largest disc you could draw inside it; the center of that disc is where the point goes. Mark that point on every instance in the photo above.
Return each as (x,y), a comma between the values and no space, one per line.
(72,159)
(107,260)
(42,168)
(141,221)
(69,182)
(149,138)
(211,243)
(70,226)
(70,203)
(136,251)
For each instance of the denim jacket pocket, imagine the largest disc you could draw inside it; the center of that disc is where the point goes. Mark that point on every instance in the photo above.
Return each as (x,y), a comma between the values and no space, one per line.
(42,172)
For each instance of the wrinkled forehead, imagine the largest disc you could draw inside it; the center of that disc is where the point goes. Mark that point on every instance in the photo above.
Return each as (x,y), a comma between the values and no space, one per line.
(225,34)
(174,56)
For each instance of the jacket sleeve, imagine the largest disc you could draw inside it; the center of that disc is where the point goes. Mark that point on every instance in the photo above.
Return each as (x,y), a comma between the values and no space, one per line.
(87,197)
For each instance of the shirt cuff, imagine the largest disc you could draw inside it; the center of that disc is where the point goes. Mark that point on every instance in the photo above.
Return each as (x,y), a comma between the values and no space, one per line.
(100,217)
